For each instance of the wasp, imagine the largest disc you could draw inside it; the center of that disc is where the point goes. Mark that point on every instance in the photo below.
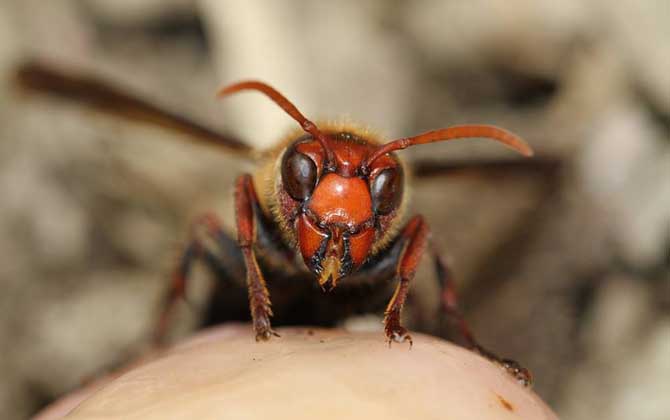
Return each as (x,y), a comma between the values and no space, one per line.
(326,211)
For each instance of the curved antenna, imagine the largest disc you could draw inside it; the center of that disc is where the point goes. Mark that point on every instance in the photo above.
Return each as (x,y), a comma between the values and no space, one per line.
(284,104)
(453,133)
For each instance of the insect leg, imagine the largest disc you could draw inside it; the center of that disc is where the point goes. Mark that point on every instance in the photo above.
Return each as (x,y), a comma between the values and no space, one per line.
(415,234)
(449,306)
(206,233)
(246,201)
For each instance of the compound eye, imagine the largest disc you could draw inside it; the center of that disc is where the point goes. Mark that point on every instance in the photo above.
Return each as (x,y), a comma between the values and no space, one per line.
(298,174)
(386,190)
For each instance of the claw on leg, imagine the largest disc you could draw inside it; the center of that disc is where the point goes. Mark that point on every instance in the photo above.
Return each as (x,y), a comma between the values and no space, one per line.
(246,202)
(520,373)
(262,325)
(512,367)
(399,335)
(449,307)
(263,329)
(265,335)
(413,239)
(394,331)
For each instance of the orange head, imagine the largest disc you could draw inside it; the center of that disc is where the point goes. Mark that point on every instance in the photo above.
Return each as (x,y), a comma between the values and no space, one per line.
(341,193)
(338,209)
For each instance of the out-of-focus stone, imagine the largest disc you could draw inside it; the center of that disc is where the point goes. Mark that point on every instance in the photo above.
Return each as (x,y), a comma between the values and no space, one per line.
(133,12)
(47,27)
(313,64)
(537,32)
(627,167)
(640,32)
(120,304)
(623,373)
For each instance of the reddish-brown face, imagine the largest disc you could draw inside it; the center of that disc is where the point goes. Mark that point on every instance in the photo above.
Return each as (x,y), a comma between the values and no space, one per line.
(340,208)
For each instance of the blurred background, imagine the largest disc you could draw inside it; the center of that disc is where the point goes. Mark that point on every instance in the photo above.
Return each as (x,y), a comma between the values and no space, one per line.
(563,263)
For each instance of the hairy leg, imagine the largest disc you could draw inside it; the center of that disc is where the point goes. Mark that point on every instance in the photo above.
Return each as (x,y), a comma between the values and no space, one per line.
(414,235)
(246,206)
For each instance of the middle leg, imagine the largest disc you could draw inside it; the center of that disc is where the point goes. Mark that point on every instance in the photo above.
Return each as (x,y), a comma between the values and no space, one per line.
(208,242)
(449,306)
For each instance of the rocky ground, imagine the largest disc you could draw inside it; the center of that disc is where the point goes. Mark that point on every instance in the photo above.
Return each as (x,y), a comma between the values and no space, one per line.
(563,264)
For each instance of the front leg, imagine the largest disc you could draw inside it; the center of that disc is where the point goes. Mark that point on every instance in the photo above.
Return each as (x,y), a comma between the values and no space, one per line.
(246,206)
(414,236)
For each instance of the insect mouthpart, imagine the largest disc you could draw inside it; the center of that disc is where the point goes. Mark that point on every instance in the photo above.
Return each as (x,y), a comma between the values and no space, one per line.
(330,273)
(332,260)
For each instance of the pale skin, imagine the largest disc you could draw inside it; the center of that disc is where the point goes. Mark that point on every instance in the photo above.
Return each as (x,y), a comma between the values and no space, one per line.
(307,373)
